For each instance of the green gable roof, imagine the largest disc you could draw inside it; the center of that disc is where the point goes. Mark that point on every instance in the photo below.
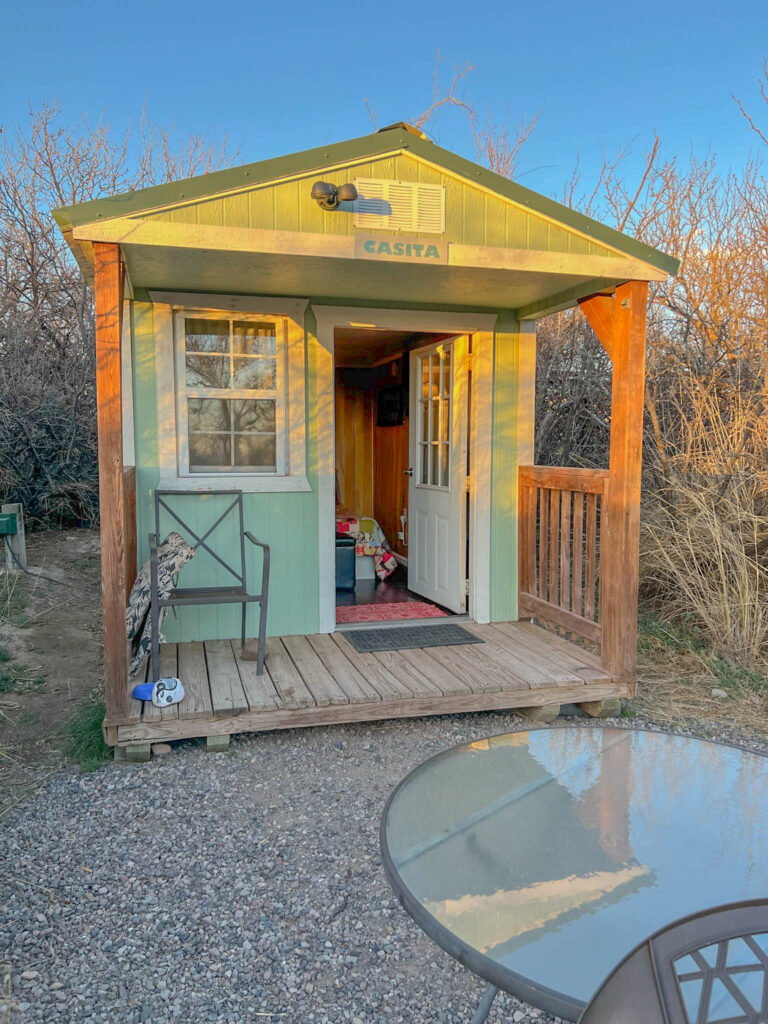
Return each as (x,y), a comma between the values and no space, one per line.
(396,138)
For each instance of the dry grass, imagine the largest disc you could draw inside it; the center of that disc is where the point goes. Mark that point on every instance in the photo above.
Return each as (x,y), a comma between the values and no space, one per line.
(704,547)
(677,674)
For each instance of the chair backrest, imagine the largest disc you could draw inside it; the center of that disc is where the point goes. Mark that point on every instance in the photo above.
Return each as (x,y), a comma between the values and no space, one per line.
(710,968)
(164,501)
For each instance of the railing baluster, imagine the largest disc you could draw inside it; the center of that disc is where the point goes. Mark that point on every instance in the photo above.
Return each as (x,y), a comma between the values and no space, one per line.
(543,541)
(554,546)
(577,583)
(591,566)
(565,549)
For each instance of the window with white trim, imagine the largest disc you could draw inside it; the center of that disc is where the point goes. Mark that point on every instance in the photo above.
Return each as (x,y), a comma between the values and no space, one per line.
(231,393)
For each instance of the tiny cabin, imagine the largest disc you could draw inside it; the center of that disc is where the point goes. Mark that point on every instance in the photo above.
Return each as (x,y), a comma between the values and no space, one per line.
(345,339)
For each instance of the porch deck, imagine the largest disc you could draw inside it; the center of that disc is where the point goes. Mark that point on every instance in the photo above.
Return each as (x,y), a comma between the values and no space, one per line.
(322,680)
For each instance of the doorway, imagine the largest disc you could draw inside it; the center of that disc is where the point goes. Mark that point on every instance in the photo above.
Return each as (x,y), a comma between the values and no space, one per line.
(401,431)
(426,326)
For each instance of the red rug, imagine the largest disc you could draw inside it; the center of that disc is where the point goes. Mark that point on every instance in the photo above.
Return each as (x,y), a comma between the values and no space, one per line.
(388,612)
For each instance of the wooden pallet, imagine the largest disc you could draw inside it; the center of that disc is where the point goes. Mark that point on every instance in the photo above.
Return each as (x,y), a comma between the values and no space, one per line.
(323,680)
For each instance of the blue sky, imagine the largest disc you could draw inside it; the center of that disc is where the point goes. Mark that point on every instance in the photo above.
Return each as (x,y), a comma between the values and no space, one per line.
(287,76)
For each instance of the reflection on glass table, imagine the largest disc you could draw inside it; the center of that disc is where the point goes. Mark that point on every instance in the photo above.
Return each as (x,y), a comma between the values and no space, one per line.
(539,858)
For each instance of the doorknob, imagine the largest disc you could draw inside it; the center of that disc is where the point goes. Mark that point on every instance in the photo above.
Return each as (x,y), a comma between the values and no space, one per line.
(409,471)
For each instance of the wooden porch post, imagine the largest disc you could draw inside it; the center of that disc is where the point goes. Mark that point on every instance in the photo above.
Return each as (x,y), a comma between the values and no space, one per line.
(108,293)
(619,322)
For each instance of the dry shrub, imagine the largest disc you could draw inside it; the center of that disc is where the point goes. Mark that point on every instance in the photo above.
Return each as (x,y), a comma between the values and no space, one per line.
(703,555)
(704,551)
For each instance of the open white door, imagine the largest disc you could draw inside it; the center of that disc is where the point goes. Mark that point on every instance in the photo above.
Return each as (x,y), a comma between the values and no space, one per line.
(437,505)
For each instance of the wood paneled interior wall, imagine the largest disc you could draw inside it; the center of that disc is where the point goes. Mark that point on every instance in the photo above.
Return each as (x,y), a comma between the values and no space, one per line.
(390,484)
(355,415)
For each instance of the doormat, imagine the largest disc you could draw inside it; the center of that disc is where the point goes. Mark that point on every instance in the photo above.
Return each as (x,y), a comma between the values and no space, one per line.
(388,612)
(410,636)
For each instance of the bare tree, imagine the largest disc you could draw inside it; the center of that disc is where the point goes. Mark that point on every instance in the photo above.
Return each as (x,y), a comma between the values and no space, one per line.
(47,392)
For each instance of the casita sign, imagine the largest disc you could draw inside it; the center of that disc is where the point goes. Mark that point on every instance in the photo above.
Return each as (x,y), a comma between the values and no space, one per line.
(400,250)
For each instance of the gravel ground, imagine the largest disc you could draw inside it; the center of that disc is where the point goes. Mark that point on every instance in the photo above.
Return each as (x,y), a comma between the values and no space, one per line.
(231,888)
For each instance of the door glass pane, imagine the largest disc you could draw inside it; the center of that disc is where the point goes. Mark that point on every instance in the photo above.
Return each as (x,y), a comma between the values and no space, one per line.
(445,420)
(207,371)
(424,421)
(433,464)
(424,364)
(435,375)
(424,475)
(259,339)
(207,335)
(447,372)
(208,414)
(435,425)
(444,452)
(209,451)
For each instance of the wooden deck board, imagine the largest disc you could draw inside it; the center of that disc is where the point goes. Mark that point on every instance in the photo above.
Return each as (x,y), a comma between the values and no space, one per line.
(259,689)
(322,680)
(536,670)
(290,687)
(193,672)
(168,667)
(371,670)
(354,685)
(320,683)
(227,694)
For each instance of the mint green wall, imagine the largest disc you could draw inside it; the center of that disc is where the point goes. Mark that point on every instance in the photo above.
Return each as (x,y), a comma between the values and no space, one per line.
(285,521)
(474,216)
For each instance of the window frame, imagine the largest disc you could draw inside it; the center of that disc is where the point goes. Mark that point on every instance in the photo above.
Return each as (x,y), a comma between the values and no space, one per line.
(168,309)
(279,394)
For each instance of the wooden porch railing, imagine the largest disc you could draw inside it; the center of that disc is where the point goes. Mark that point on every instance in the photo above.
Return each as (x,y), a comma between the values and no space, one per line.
(559,546)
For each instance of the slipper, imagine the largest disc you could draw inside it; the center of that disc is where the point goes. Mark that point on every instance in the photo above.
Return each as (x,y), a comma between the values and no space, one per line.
(162,693)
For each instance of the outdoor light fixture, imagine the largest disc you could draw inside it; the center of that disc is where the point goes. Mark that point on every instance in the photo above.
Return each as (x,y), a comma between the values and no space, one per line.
(329,196)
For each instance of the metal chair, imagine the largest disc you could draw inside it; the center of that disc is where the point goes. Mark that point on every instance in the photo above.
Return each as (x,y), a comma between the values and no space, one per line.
(710,967)
(185,596)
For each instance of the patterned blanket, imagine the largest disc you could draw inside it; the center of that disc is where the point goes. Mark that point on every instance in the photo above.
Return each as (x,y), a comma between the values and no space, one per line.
(369,540)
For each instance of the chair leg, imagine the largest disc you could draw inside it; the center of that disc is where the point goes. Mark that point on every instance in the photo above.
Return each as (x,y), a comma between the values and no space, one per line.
(262,635)
(481,1013)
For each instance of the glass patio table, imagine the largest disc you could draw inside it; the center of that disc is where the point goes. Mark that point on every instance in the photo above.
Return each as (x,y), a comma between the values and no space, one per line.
(538,859)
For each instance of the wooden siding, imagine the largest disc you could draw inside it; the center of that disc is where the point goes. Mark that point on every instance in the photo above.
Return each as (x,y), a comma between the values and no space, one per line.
(285,521)
(474,216)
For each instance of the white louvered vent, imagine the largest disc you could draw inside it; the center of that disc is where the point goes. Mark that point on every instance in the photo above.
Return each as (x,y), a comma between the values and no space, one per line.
(400,205)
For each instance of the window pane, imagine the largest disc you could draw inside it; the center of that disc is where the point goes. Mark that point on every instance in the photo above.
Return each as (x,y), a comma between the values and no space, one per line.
(208,414)
(258,451)
(208,372)
(209,451)
(259,374)
(207,335)
(258,339)
(254,414)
